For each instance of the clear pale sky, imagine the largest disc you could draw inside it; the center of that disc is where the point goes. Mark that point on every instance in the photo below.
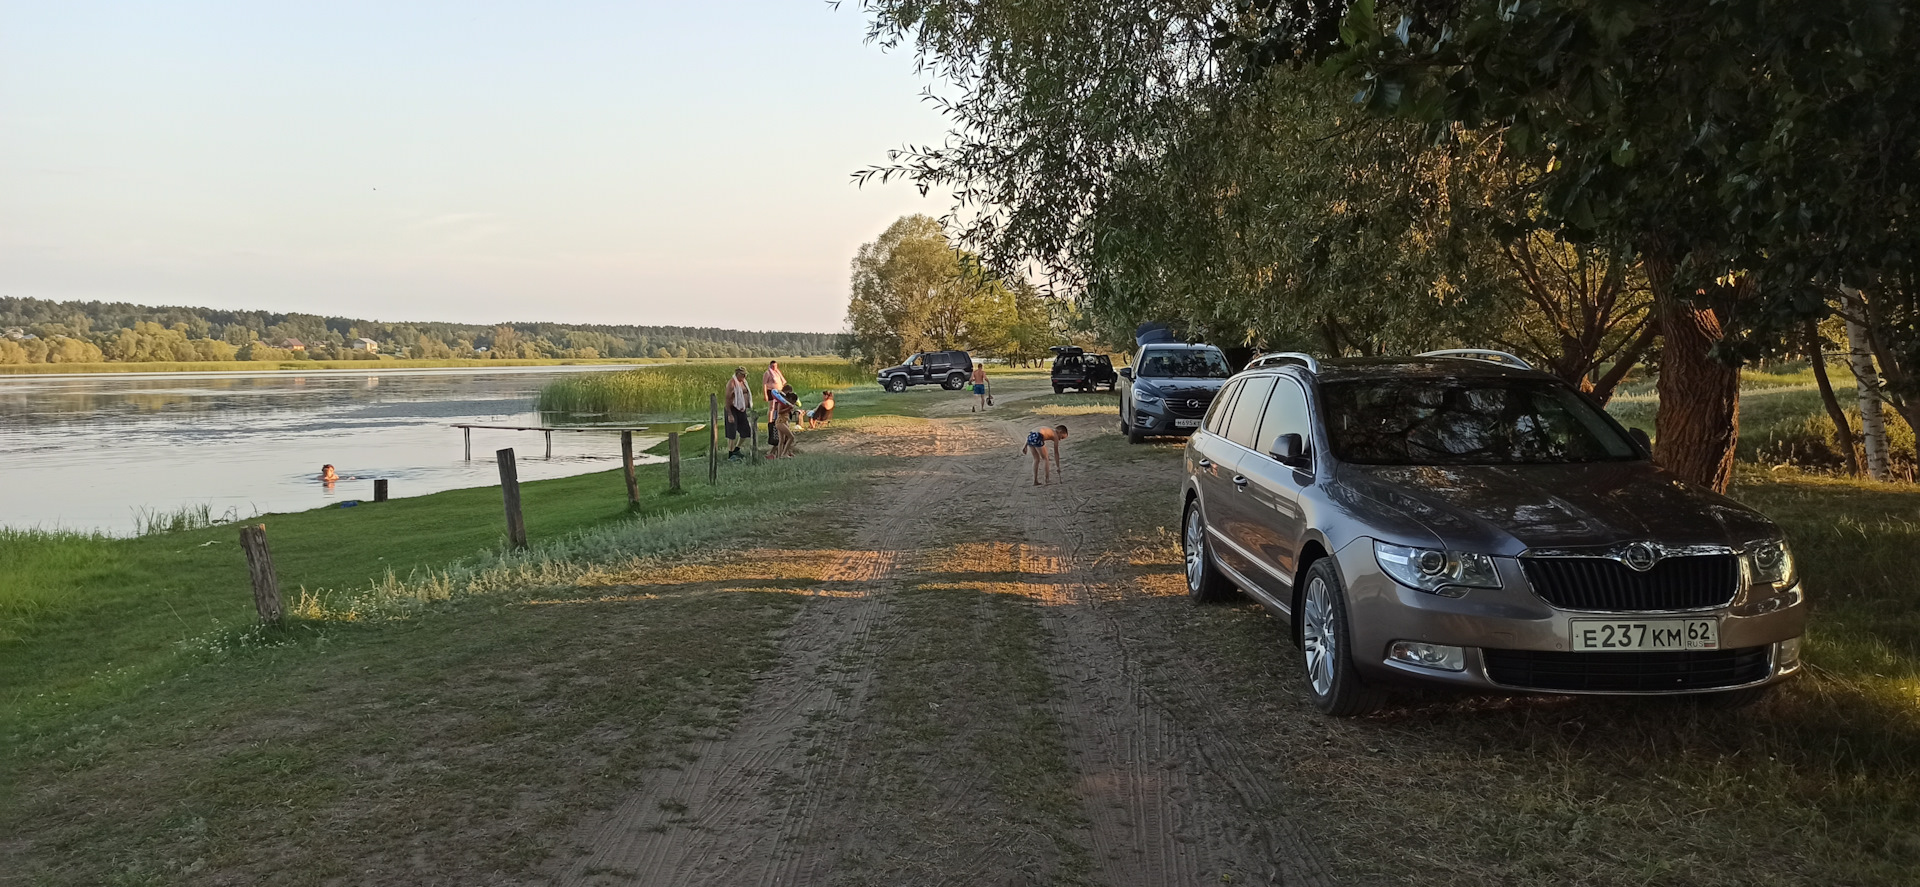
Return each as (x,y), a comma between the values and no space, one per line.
(640,162)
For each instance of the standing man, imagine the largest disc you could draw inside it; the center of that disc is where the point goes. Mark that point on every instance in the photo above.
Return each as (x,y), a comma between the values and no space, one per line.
(980,387)
(739,424)
(773,381)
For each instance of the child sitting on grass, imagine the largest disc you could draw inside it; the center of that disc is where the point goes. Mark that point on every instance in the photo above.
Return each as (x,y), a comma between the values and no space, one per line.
(1037,441)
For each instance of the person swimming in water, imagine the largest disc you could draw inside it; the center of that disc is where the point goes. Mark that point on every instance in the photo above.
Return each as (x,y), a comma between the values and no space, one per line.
(328,475)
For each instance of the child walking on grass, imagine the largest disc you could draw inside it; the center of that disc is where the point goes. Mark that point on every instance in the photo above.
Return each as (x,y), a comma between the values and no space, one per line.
(1037,441)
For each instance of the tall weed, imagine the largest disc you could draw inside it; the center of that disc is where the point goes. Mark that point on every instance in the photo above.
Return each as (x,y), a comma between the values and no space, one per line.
(682,390)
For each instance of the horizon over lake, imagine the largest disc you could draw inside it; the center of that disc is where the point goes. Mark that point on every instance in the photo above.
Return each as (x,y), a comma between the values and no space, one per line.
(95,452)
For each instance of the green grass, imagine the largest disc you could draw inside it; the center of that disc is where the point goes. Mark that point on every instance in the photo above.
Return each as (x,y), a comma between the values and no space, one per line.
(84,618)
(684,390)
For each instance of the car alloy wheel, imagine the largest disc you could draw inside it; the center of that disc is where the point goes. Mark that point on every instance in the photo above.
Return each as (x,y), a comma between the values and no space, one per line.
(1205,584)
(1325,634)
(896,384)
(1318,641)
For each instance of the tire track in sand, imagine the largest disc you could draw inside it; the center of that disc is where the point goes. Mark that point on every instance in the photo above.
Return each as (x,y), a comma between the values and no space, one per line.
(740,810)
(1170,803)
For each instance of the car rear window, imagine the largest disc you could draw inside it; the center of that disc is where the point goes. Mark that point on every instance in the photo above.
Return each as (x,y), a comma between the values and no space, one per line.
(1453,421)
(1166,363)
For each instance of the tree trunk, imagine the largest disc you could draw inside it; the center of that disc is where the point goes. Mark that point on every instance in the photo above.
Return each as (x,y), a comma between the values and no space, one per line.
(1873,427)
(1698,422)
(1843,433)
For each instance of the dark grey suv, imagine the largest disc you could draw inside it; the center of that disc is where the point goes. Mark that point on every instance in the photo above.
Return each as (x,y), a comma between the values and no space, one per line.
(1448,520)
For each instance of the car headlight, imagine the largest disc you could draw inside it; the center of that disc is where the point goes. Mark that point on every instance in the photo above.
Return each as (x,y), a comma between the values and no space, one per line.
(1770,563)
(1147,397)
(1448,573)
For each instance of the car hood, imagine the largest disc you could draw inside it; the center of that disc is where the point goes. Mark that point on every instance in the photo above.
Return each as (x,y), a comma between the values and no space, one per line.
(1177,385)
(1508,509)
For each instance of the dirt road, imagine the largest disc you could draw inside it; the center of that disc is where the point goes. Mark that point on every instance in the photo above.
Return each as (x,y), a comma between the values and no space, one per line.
(975,696)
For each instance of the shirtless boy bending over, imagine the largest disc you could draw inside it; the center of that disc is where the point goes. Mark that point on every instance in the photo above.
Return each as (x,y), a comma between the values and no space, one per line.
(1037,441)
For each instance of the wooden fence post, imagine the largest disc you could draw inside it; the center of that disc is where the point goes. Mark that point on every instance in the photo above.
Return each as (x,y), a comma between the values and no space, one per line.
(266,584)
(673,461)
(510,490)
(713,438)
(379,489)
(626,463)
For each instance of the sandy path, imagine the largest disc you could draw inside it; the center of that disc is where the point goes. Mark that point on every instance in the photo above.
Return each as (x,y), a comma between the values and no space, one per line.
(776,800)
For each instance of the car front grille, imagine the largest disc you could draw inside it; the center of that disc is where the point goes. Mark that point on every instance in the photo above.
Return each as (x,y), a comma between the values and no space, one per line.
(1189,406)
(1627,672)
(1692,582)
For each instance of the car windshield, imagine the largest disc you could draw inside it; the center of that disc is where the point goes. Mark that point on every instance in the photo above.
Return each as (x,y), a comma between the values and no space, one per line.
(1201,363)
(1466,422)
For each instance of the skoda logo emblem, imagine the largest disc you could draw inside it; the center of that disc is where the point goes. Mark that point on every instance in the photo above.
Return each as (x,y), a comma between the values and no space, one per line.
(1640,556)
(1193,404)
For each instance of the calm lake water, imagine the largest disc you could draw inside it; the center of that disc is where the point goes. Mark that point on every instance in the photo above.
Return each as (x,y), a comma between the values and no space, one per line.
(95,452)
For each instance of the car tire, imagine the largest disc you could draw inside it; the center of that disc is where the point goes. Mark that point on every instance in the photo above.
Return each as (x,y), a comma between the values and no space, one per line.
(955,382)
(1057,389)
(1135,437)
(897,384)
(1326,646)
(1205,583)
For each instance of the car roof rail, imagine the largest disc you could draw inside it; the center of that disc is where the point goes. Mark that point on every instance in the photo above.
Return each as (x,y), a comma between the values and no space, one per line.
(1280,357)
(1486,354)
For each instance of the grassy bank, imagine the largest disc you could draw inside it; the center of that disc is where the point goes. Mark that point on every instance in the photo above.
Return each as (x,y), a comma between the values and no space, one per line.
(683,390)
(84,618)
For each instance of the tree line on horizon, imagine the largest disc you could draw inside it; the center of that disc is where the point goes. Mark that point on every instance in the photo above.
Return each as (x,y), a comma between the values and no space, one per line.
(1606,187)
(45,331)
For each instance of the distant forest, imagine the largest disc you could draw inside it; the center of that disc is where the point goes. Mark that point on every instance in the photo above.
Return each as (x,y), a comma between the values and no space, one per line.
(42,331)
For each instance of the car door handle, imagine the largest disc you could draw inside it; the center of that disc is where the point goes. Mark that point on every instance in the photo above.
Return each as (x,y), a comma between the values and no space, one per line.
(1206,463)
(1239,481)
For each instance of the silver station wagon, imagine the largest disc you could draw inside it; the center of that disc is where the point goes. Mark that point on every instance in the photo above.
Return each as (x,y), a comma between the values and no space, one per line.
(1460,519)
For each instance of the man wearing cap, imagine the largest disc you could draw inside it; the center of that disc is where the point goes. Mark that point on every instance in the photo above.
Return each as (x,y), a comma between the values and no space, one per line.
(739,423)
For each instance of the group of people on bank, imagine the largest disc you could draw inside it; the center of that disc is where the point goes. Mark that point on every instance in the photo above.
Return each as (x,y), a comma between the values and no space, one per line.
(785,413)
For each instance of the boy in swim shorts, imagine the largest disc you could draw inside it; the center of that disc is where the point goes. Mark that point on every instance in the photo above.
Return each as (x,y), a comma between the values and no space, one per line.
(1037,441)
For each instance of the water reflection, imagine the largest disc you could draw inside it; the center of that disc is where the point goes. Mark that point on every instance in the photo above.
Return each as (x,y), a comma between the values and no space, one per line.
(90,452)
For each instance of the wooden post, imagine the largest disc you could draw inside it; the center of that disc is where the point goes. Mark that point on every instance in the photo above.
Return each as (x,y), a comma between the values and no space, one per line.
(713,438)
(626,463)
(549,444)
(266,584)
(379,489)
(510,490)
(469,432)
(673,461)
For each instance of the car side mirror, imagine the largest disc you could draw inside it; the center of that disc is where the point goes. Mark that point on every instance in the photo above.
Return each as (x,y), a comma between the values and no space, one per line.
(1126,373)
(1289,449)
(1640,437)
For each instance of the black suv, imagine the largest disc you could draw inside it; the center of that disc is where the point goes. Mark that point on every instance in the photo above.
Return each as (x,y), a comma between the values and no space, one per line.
(948,369)
(1073,367)
(1462,522)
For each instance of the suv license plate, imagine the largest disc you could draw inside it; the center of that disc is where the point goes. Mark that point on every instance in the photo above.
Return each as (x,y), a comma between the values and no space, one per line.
(1636,636)
(1186,423)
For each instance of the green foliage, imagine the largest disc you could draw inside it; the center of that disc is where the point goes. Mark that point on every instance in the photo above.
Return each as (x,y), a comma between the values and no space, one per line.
(89,332)
(913,290)
(682,391)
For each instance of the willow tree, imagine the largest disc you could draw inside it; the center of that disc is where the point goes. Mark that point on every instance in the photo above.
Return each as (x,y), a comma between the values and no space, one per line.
(913,290)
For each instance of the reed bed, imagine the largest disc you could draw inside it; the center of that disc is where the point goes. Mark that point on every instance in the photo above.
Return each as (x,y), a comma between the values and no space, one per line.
(682,390)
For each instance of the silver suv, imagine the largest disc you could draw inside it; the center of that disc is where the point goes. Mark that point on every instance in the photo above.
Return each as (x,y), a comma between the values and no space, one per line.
(1452,520)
